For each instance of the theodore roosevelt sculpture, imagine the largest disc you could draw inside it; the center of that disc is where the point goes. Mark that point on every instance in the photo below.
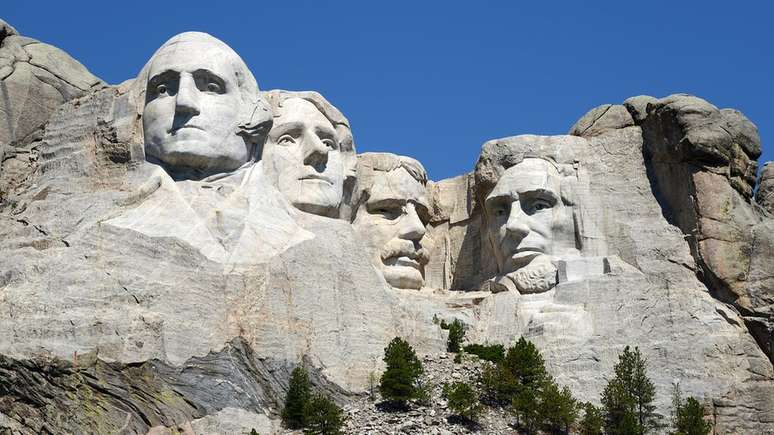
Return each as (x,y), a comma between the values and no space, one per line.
(390,212)
(203,114)
(309,151)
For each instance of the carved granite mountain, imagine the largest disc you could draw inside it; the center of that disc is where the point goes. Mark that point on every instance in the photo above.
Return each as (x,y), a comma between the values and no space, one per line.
(155,274)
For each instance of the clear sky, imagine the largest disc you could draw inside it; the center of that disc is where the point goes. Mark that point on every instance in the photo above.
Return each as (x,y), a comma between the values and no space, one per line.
(434,80)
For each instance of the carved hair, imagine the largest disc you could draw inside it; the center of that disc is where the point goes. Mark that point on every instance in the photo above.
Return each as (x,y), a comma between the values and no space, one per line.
(370,163)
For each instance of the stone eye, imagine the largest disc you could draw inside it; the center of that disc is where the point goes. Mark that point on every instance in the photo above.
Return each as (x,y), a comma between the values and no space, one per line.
(387,213)
(329,143)
(541,205)
(500,211)
(286,139)
(213,87)
(161,89)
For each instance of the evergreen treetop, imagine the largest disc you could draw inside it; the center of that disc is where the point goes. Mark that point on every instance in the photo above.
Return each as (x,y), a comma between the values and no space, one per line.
(628,397)
(299,390)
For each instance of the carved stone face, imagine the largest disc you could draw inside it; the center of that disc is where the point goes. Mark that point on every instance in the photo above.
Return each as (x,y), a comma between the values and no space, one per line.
(392,224)
(302,158)
(192,108)
(525,214)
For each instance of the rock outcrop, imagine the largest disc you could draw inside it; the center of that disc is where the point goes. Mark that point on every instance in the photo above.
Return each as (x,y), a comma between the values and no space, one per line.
(35,79)
(765,194)
(142,291)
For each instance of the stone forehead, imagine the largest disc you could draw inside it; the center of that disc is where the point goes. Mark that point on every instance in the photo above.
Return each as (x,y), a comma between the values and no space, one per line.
(200,41)
(277,97)
(530,174)
(397,184)
(298,109)
(386,162)
(186,40)
(500,154)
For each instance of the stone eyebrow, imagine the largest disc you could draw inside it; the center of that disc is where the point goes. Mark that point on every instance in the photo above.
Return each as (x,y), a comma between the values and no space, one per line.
(209,73)
(289,126)
(498,196)
(541,192)
(384,201)
(163,75)
(328,131)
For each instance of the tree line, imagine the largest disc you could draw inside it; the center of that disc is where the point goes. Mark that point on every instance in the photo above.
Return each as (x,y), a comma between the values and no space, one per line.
(514,379)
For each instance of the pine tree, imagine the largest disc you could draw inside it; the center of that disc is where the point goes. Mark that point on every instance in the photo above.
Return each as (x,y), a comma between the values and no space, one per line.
(628,397)
(525,363)
(463,400)
(498,384)
(558,409)
(398,382)
(521,368)
(297,397)
(456,335)
(592,422)
(323,416)
(688,416)
(526,406)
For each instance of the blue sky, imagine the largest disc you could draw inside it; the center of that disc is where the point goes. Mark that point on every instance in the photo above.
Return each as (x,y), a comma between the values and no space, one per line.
(434,80)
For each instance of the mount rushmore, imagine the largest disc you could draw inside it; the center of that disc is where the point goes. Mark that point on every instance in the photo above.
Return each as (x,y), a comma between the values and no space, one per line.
(174,245)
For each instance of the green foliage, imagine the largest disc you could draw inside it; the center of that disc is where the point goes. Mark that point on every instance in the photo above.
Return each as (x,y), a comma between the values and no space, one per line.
(519,379)
(525,405)
(592,422)
(688,415)
(628,397)
(297,397)
(458,358)
(323,416)
(525,363)
(558,408)
(497,384)
(254,432)
(403,369)
(463,400)
(522,367)
(422,393)
(456,335)
(494,353)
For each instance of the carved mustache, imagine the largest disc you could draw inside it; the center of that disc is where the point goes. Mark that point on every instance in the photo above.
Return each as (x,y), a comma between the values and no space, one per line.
(404,248)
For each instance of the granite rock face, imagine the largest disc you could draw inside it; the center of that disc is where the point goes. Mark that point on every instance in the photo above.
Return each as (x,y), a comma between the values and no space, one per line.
(765,194)
(702,163)
(170,278)
(35,79)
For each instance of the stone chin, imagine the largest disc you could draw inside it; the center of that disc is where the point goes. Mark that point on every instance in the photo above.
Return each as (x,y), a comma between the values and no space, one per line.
(537,276)
(194,154)
(403,277)
(317,197)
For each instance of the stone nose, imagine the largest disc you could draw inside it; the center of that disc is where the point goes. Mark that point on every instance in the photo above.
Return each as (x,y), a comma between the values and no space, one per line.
(411,226)
(315,152)
(517,226)
(187,98)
